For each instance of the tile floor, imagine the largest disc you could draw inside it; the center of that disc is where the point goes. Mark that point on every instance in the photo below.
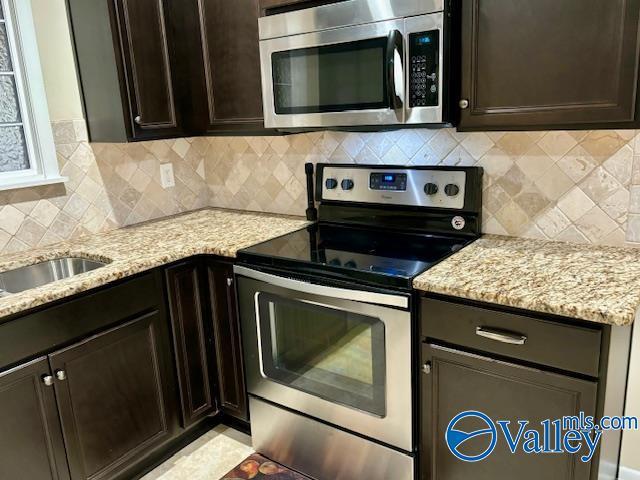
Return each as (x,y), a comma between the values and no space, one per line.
(208,458)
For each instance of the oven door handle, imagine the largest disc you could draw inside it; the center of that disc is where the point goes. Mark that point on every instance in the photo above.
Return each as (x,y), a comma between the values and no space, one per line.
(394,57)
(324,291)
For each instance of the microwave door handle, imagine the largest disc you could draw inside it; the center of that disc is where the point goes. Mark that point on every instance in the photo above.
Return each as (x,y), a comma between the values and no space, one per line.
(394,47)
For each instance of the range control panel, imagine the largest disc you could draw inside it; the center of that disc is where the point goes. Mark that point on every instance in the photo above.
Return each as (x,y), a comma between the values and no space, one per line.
(396,182)
(436,187)
(424,53)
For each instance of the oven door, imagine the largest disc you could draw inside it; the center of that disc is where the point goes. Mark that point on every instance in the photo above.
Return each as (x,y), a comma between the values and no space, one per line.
(340,77)
(339,355)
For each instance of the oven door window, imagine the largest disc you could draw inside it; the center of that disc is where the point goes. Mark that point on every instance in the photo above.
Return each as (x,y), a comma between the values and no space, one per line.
(333,354)
(331,78)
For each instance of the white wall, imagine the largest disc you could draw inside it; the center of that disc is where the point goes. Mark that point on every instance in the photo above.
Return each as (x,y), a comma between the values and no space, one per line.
(56,55)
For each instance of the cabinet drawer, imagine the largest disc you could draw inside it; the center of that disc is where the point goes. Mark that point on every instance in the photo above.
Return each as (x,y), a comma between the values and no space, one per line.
(522,337)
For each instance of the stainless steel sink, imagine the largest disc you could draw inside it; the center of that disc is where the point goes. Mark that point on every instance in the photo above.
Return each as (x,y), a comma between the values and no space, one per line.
(32,276)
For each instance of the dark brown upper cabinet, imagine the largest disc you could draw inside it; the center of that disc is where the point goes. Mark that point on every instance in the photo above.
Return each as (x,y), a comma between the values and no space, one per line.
(548,64)
(166,68)
(231,64)
(146,58)
(126,67)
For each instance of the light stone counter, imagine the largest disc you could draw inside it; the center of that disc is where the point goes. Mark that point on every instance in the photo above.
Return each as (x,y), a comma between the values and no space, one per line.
(595,283)
(143,247)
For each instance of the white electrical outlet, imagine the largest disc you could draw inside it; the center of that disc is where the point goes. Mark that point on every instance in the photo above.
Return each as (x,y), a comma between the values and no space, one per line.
(166,175)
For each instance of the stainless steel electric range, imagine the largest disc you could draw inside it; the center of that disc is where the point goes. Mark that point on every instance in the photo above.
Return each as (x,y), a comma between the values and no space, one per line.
(329,317)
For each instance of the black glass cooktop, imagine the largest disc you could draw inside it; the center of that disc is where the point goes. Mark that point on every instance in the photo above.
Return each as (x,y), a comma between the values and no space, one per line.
(370,255)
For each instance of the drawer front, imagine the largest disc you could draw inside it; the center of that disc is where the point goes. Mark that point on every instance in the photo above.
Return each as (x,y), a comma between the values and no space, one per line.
(521,337)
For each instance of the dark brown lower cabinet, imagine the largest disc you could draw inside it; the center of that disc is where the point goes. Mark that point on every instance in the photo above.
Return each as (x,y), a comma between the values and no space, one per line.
(224,313)
(207,342)
(192,341)
(457,382)
(113,397)
(31,444)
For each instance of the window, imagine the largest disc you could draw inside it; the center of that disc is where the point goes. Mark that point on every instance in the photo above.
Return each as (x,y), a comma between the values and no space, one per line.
(27,150)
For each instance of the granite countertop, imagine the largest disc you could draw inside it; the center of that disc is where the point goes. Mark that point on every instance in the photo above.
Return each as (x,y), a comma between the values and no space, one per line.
(145,246)
(595,283)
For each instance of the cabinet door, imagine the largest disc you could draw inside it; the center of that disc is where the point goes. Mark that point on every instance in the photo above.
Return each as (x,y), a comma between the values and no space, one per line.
(145,44)
(226,325)
(548,62)
(231,58)
(460,382)
(112,397)
(192,342)
(31,440)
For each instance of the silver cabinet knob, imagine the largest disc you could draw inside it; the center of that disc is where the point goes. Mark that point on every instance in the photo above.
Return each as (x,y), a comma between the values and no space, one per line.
(464,104)
(426,368)
(138,120)
(229,281)
(47,380)
(61,375)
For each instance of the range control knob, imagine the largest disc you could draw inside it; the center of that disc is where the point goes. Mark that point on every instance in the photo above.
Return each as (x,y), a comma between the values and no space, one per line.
(331,183)
(431,189)
(452,190)
(347,184)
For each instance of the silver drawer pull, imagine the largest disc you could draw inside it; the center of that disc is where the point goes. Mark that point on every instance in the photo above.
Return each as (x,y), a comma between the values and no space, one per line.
(501,336)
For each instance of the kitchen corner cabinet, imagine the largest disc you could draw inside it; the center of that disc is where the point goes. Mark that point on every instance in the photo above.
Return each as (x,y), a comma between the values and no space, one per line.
(192,341)
(549,64)
(165,68)
(224,313)
(207,338)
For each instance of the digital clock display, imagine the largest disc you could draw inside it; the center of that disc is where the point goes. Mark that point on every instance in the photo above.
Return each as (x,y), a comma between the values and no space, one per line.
(388,181)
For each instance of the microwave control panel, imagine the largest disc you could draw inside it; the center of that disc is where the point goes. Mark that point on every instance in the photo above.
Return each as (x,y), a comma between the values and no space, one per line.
(424,50)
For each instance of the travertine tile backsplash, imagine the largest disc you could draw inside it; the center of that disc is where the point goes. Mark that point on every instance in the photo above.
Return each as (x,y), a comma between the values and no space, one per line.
(573,186)
(581,186)
(109,186)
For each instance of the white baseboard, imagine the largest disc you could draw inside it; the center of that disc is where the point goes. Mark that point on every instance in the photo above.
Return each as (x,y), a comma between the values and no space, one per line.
(628,474)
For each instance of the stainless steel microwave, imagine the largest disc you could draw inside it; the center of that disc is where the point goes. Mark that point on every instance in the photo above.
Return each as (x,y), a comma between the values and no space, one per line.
(354,63)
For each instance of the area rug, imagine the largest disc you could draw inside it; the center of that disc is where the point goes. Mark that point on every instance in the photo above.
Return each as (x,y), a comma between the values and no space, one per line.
(257,467)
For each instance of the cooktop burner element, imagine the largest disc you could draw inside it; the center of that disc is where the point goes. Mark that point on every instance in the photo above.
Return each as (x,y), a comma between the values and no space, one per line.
(386,257)
(380,225)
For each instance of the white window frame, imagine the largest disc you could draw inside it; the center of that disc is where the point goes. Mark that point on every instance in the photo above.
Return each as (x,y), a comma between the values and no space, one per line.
(44,169)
